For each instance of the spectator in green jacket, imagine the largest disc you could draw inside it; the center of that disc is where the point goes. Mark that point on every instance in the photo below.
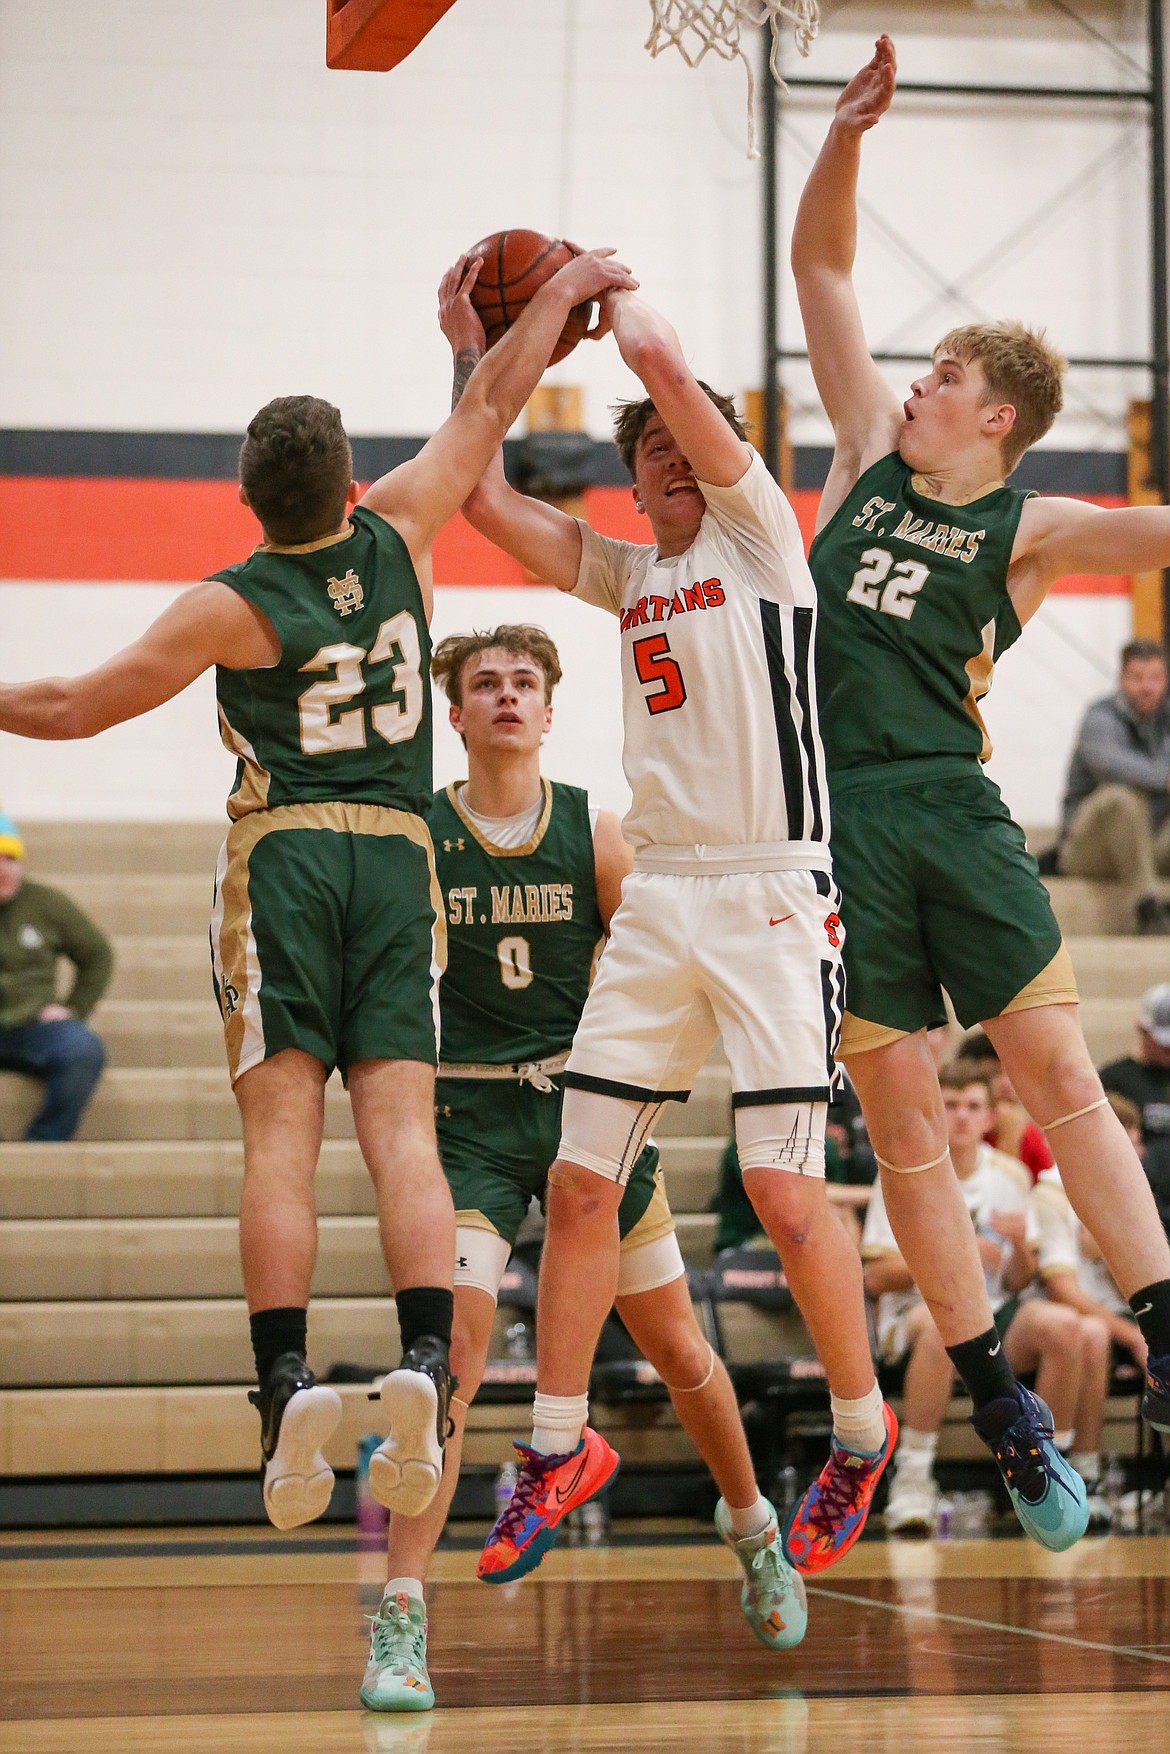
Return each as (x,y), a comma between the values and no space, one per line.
(40,1035)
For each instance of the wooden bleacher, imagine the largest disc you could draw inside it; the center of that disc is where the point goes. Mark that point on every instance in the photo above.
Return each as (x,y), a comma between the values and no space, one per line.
(123,1335)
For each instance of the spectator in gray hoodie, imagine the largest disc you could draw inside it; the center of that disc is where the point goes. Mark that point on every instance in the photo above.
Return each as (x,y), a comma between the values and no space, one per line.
(1116,818)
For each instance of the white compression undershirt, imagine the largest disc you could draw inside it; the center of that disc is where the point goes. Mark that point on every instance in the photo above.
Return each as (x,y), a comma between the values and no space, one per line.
(510,832)
(507,832)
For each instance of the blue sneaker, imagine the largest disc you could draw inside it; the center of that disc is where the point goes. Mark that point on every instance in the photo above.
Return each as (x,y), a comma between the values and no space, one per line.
(1047,1494)
(773,1599)
(1156,1399)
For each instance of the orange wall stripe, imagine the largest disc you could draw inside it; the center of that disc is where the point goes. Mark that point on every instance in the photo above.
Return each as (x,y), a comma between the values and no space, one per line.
(116,528)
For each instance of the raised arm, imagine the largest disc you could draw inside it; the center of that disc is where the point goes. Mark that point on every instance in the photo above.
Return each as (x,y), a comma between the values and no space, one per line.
(863,409)
(541,537)
(1061,536)
(653,353)
(209,624)
(419,496)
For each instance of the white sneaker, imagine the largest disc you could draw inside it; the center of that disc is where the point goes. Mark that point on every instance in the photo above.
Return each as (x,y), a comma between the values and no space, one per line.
(912,1507)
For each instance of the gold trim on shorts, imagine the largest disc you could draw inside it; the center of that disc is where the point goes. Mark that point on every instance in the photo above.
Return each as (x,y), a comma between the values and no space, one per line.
(858,1036)
(470,1219)
(235,954)
(1056,984)
(656,1221)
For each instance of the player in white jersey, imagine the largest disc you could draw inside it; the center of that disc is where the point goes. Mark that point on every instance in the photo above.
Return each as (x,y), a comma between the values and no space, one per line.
(728,924)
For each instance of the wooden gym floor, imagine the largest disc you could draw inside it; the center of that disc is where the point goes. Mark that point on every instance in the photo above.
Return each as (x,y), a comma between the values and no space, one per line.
(245,1642)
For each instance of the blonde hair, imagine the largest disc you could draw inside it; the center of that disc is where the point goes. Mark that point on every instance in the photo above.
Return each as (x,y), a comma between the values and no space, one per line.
(521,638)
(1019,366)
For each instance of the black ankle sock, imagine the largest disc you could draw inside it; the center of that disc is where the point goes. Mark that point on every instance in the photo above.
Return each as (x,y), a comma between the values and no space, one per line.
(424,1309)
(1151,1311)
(986,1373)
(275,1331)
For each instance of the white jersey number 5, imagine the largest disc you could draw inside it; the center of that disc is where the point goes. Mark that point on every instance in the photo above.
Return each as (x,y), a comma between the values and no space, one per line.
(654,664)
(904,583)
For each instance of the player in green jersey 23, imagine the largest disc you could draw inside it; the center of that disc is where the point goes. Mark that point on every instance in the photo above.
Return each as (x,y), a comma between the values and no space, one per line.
(531,878)
(927,567)
(328,929)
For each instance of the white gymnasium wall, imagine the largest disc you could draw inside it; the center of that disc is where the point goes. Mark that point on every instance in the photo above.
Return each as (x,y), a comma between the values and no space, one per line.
(172,765)
(195,215)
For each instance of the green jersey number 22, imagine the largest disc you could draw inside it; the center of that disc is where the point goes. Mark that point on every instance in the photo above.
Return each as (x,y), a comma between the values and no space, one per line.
(891,590)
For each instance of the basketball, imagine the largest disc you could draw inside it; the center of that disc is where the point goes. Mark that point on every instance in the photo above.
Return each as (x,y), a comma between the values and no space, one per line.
(516,265)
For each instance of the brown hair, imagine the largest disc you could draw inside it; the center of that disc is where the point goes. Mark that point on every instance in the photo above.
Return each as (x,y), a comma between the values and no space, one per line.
(1020,367)
(630,420)
(451,655)
(296,467)
(958,1073)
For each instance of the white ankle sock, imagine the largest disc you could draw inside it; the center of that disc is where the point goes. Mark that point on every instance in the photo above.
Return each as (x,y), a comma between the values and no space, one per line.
(558,1422)
(751,1521)
(916,1448)
(404,1586)
(859,1425)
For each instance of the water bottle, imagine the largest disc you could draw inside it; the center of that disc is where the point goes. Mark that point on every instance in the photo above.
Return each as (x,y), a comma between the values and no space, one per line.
(594,1523)
(517,1342)
(944,1512)
(372,1517)
(505,1486)
(785,1491)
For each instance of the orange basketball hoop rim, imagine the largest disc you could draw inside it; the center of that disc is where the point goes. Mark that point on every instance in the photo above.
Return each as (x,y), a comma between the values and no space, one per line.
(372,36)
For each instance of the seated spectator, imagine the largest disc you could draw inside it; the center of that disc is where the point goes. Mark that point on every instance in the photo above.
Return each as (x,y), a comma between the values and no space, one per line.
(1012,1128)
(1144,1077)
(1116,816)
(40,1035)
(1037,1335)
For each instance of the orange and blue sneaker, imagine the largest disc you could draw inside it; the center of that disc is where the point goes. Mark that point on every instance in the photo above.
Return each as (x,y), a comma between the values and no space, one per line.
(828,1519)
(547,1489)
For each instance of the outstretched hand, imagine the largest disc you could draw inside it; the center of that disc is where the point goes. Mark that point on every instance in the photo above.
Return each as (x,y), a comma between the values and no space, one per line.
(869,93)
(593,273)
(458,318)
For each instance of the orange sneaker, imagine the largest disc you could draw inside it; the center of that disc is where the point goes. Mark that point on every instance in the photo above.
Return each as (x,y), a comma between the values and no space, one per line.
(832,1513)
(547,1489)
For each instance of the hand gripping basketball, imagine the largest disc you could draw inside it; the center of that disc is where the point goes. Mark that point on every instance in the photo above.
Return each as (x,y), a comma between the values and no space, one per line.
(514,265)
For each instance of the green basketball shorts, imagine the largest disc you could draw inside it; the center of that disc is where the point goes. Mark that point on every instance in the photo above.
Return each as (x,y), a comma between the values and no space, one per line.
(938,892)
(498,1139)
(328,934)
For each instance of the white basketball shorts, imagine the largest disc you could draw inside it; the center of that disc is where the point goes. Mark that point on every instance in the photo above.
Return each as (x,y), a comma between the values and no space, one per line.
(754,956)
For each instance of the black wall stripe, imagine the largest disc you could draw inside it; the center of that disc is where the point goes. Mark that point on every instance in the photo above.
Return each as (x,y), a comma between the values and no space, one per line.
(802,628)
(211,456)
(791,771)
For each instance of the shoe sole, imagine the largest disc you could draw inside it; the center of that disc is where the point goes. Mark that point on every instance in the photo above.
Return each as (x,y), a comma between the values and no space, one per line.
(298,1481)
(419,1702)
(405,1470)
(546,1538)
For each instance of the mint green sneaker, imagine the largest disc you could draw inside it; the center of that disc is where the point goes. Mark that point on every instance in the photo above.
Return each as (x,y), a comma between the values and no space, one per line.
(396,1676)
(773,1600)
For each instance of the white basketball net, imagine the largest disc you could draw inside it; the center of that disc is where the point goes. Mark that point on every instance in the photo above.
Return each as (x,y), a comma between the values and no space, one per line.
(694,27)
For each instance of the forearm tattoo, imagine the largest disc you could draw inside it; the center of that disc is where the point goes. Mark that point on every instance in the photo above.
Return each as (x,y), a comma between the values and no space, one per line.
(466,361)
